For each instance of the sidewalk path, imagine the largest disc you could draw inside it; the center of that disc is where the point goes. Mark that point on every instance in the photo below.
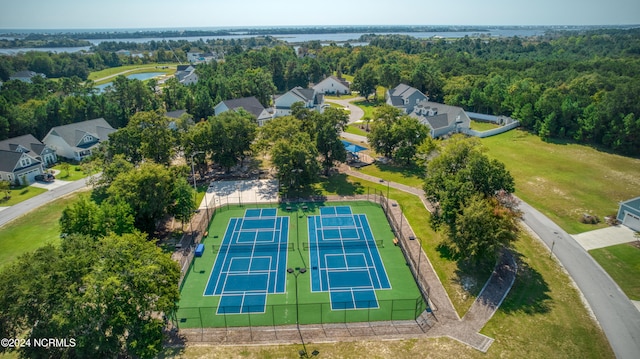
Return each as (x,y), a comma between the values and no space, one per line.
(465,330)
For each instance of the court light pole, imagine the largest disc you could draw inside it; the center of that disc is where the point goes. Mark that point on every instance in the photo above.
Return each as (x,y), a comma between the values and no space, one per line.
(296,272)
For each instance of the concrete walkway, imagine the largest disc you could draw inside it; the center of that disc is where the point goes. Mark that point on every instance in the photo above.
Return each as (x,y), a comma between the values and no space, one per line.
(465,330)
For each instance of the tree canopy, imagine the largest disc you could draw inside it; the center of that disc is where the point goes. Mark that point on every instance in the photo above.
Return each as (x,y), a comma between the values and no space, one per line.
(108,294)
(470,194)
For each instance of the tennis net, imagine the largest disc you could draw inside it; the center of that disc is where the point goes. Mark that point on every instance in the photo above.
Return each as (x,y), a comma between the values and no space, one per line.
(343,244)
(254,247)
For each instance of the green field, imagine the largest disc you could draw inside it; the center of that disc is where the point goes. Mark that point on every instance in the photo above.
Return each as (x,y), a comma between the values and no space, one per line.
(356,130)
(622,262)
(566,180)
(107,75)
(74,172)
(32,230)
(483,126)
(400,303)
(18,195)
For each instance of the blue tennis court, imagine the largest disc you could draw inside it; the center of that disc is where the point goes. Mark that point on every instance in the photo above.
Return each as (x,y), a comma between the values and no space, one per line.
(344,258)
(251,262)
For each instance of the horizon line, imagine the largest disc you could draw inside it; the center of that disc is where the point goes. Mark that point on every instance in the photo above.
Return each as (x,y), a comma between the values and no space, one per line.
(237,27)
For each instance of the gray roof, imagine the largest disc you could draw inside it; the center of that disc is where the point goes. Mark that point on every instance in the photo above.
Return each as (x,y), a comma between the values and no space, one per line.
(24,74)
(250,104)
(444,116)
(306,94)
(404,91)
(99,128)
(27,141)
(176,113)
(9,160)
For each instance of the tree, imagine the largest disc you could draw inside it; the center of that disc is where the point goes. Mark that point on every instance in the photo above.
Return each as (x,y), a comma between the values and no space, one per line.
(232,134)
(157,140)
(85,217)
(148,190)
(107,294)
(5,186)
(483,229)
(381,137)
(471,195)
(295,159)
(365,81)
(184,202)
(408,133)
(327,133)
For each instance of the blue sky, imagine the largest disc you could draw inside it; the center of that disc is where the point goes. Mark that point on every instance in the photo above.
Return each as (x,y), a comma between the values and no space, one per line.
(100,14)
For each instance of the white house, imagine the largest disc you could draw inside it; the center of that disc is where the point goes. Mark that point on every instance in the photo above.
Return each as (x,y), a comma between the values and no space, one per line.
(333,85)
(249,104)
(440,118)
(186,74)
(77,140)
(311,99)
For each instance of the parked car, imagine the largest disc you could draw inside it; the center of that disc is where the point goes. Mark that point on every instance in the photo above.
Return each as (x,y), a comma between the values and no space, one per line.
(47,177)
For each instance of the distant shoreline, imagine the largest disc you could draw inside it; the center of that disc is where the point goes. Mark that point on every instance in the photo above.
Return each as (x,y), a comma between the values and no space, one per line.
(115,33)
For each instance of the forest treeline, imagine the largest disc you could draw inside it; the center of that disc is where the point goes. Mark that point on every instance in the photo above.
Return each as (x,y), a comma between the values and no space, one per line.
(580,86)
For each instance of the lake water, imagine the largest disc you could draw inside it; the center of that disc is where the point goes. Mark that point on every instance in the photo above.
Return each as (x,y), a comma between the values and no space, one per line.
(296,38)
(141,77)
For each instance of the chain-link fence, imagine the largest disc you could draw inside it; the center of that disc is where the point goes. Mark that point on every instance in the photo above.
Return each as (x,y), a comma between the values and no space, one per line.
(406,240)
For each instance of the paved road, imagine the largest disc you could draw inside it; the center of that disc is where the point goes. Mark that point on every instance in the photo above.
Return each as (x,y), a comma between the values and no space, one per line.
(29,205)
(617,316)
(355,112)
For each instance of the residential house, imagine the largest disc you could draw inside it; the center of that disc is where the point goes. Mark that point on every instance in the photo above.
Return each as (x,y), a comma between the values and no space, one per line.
(333,85)
(311,99)
(19,166)
(404,97)
(440,118)
(629,213)
(249,104)
(186,74)
(31,146)
(202,57)
(23,158)
(77,140)
(177,119)
(25,76)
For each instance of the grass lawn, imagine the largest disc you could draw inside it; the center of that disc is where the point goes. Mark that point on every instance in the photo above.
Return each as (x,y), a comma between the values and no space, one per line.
(18,195)
(622,262)
(566,180)
(104,75)
(356,130)
(483,126)
(33,230)
(409,176)
(74,172)
(368,107)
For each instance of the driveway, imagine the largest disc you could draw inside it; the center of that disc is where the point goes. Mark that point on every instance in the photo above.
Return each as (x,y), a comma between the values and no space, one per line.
(605,237)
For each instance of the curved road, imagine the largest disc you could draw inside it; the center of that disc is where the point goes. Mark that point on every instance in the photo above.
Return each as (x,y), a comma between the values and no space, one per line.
(616,314)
